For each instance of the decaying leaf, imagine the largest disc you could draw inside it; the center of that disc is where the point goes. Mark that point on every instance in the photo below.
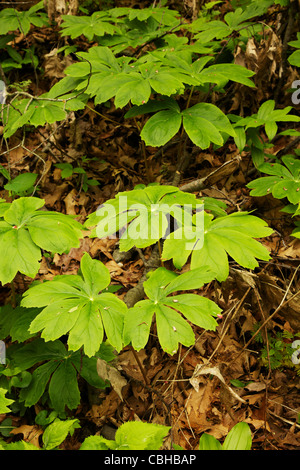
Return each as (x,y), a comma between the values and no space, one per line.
(30,433)
(202,369)
(107,372)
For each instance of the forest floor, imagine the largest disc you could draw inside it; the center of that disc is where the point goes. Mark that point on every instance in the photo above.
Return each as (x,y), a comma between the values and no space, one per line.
(238,383)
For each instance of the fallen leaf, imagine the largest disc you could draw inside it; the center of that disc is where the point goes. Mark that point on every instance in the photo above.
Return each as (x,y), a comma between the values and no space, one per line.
(30,434)
(107,372)
(202,369)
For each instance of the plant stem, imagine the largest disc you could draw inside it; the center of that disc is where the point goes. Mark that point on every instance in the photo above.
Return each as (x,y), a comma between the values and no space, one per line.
(13,295)
(102,115)
(160,253)
(148,173)
(140,365)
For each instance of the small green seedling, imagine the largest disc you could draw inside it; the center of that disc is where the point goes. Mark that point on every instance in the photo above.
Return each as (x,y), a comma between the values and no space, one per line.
(238,438)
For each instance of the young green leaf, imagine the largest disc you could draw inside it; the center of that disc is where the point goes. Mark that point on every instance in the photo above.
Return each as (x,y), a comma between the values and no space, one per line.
(238,438)
(73,305)
(140,436)
(209,442)
(21,183)
(57,432)
(172,329)
(133,435)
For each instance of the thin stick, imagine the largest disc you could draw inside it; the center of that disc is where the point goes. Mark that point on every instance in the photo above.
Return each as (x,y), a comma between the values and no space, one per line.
(141,367)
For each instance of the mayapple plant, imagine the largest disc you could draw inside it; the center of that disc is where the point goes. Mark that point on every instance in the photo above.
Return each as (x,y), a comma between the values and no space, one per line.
(208,242)
(25,230)
(172,329)
(247,129)
(72,304)
(283,182)
(48,371)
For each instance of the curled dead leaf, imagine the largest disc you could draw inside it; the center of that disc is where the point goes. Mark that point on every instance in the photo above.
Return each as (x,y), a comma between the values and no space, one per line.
(107,372)
(202,369)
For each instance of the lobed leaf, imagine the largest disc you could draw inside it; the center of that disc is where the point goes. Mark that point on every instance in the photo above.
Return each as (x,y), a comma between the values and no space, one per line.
(172,328)
(232,234)
(74,305)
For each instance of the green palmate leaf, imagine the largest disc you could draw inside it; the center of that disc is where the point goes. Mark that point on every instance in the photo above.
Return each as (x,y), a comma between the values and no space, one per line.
(210,245)
(233,21)
(58,375)
(37,386)
(19,253)
(38,113)
(12,19)
(15,322)
(283,182)
(99,23)
(135,89)
(25,230)
(147,212)
(203,123)
(172,328)
(266,116)
(73,305)
(60,395)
